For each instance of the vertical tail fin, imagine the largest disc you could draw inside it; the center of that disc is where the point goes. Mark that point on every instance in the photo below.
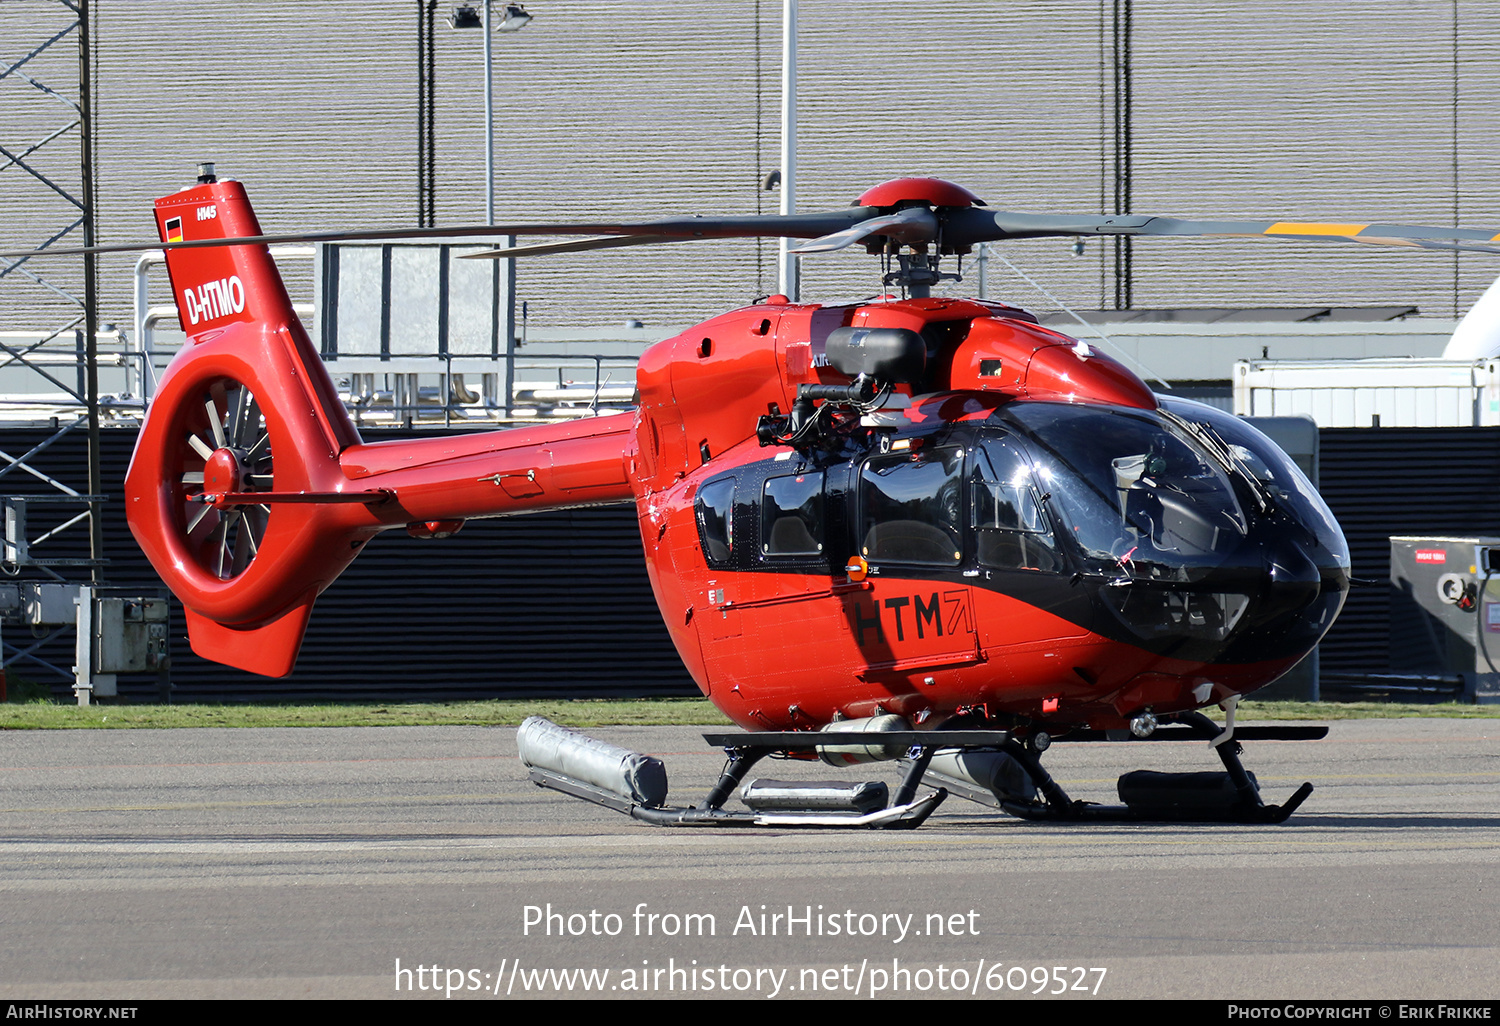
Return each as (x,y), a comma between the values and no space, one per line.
(246,407)
(219,286)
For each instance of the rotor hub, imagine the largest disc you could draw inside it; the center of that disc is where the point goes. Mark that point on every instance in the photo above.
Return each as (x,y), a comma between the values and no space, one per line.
(223,472)
(933,191)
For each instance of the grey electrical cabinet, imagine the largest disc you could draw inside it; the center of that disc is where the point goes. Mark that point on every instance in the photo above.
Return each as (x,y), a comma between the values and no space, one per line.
(131,635)
(1445,611)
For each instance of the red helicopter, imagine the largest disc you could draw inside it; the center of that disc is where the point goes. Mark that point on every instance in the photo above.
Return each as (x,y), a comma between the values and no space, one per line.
(913,526)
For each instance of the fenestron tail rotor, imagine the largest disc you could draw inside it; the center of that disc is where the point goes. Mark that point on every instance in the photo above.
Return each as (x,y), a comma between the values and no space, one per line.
(226,451)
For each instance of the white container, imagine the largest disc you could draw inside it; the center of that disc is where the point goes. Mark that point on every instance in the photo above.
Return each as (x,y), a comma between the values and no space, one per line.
(1409,392)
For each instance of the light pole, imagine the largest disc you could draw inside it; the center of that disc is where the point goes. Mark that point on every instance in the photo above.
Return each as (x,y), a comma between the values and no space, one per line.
(787,265)
(513,19)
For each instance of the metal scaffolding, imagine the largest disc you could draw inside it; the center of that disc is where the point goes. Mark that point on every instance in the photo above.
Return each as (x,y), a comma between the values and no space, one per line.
(46,97)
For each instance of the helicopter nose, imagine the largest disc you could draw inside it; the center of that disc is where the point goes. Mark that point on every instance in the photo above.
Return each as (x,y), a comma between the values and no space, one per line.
(1276,601)
(1298,599)
(1294,580)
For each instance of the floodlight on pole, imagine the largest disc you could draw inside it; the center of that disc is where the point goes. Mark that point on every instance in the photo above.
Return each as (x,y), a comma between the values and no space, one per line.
(787,264)
(465,17)
(513,19)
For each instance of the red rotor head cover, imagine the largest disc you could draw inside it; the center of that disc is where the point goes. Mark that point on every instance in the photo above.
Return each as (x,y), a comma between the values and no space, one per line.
(924,190)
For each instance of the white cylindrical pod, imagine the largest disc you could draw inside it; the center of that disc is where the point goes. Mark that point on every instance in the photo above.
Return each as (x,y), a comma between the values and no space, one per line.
(996,772)
(874,751)
(546,746)
(821,795)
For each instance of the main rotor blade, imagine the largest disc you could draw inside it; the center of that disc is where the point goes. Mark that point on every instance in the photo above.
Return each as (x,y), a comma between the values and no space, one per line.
(914,224)
(962,227)
(797,226)
(971,226)
(582,245)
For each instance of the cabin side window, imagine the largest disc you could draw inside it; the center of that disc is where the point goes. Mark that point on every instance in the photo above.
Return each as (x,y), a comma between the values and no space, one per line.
(1011,530)
(716,520)
(791,515)
(911,507)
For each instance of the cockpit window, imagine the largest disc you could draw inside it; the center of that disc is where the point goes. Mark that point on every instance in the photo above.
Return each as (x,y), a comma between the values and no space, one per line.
(910,507)
(1138,495)
(1011,529)
(1272,469)
(791,515)
(716,519)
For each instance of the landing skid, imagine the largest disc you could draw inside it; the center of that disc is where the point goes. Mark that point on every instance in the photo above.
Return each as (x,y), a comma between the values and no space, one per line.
(1232,796)
(907,816)
(1171,797)
(904,812)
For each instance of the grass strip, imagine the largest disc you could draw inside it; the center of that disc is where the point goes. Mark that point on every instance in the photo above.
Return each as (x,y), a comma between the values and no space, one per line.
(579,712)
(44,715)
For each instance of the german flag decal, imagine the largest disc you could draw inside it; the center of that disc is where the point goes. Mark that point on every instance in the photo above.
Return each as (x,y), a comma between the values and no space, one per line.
(174,229)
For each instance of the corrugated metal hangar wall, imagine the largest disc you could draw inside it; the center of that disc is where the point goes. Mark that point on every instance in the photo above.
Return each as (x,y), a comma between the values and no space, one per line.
(559,603)
(1366,109)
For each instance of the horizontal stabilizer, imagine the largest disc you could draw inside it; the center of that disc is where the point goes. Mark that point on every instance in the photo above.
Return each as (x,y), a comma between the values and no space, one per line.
(269,649)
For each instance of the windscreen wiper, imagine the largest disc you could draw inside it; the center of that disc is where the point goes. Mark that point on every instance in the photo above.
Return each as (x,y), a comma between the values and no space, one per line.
(1205,435)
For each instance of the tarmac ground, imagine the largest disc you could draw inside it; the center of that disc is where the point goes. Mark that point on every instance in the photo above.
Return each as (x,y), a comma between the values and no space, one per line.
(419,862)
